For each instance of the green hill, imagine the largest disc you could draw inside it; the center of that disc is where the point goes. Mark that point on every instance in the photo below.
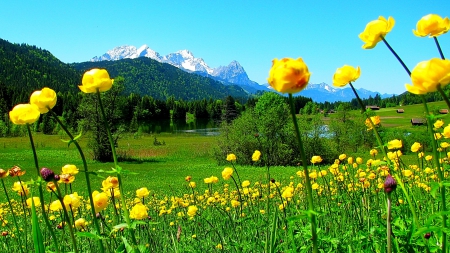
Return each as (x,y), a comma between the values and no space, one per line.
(160,80)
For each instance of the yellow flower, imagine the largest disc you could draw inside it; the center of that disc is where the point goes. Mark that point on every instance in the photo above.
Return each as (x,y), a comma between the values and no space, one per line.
(72,201)
(395,144)
(44,99)
(69,169)
(288,75)
(142,192)
(444,144)
(407,173)
(359,160)
(23,114)
(427,75)
(432,25)
(192,184)
(313,174)
(245,183)
(288,193)
(350,160)
(66,178)
(138,212)
(100,200)
(438,124)
(96,79)
(375,120)
(219,246)
(36,201)
(110,182)
(56,206)
(21,188)
(316,159)
(231,157)
(4,173)
(235,203)
(416,147)
(80,223)
(256,155)
(342,157)
(375,30)
(446,132)
(428,157)
(373,152)
(51,187)
(192,211)
(315,186)
(227,173)
(345,75)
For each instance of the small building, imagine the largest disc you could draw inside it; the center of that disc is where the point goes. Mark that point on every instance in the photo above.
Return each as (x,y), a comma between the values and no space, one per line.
(418,121)
(372,107)
(400,111)
(443,111)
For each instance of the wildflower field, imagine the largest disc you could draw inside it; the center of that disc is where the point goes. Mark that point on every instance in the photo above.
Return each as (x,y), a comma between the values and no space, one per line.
(173,198)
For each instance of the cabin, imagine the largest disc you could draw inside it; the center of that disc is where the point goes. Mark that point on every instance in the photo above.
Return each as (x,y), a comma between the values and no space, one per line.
(372,107)
(443,111)
(418,121)
(400,111)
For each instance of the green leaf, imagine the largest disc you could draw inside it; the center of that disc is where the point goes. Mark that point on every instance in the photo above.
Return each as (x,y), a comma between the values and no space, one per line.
(121,225)
(37,234)
(91,235)
(128,247)
(135,223)
(434,188)
(73,140)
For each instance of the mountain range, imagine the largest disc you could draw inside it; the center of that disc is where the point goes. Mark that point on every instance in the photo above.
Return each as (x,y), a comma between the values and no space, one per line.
(233,73)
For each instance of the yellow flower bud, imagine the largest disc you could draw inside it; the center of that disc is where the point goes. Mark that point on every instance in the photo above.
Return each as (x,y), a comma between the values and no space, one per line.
(96,79)
(288,75)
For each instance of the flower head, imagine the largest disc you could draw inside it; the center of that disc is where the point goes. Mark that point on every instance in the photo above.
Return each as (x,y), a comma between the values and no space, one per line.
(4,173)
(44,99)
(192,211)
(389,184)
(70,169)
(47,174)
(395,144)
(80,223)
(375,30)
(16,171)
(35,200)
(21,188)
(288,75)
(432,25)
(375,120)
(23,114)
(72,201)
(142,192)
(427,75)
(256,155)
(66,178)
(100,200)
(138,212)
(316,159)
(416,147)
(345,75)
(227,173)
(231,157)
(96,79)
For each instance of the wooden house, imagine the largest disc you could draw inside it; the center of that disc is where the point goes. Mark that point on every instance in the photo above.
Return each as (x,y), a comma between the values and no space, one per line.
(418,121)
(400,111)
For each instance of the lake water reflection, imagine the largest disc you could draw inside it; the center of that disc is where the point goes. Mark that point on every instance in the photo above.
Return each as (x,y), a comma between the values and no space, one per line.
(205,127)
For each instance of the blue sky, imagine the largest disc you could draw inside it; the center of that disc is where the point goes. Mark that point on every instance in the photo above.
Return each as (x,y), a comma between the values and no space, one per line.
(323,32)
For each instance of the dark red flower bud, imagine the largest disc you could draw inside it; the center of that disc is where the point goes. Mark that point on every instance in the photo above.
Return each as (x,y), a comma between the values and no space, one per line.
(427,236)
(389,184)
(47,174)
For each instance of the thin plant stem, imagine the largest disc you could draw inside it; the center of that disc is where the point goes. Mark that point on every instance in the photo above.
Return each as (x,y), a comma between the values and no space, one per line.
(388,224)
(439,48)
(41,193)
(13,215)
(86,174)
(363,109)
(396,56)
(440,175)
(311,213)
(119,176)
(444,96)
(66,215)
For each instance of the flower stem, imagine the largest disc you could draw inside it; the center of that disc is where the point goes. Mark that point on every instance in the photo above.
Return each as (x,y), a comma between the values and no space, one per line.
(396,56)
(439,48)
(311,214)
(86,174)
(363,109)
(41,193)
(440,174)
(444,96)
(67,218)
(119,176)
(388,224)
(13,215)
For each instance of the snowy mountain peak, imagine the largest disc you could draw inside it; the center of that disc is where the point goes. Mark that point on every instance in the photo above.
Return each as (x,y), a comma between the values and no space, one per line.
(127,52)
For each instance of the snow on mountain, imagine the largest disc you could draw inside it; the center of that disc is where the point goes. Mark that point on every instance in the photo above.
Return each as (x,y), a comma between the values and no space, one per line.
(184,59)
(127,52)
